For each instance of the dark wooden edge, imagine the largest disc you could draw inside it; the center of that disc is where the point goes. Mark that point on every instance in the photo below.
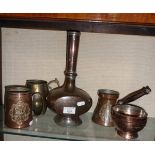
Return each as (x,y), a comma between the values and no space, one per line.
(1,66)
(83,26)
(1,114)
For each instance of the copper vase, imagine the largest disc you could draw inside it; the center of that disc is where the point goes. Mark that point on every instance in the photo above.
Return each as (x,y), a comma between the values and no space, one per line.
(68,101)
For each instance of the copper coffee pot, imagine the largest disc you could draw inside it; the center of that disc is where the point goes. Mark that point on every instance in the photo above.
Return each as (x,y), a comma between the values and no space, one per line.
(108,98)
(68,101)
(102,113)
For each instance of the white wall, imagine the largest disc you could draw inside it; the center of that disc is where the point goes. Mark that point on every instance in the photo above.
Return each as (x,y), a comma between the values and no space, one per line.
(120,62)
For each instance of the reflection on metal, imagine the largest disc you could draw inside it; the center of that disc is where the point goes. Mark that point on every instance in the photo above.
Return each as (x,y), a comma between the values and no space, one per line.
(68,101)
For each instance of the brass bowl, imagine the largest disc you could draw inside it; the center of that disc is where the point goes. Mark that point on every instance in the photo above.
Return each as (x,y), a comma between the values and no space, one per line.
(128,120)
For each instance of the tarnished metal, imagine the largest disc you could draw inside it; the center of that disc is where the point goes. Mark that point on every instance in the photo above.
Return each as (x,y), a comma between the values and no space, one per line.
(102,113)
(39,90)
(18,106)
(134,95)
(68,101)
(108,98)
(129,119)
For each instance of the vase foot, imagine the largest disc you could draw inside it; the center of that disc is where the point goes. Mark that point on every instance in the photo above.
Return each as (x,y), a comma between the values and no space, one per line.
(127,135)
(67,121)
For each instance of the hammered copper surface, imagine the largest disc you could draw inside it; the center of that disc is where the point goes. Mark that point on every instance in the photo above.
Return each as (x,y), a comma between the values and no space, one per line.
(18,106)
(68,101)
(129,119)
(108,99)
(102,113)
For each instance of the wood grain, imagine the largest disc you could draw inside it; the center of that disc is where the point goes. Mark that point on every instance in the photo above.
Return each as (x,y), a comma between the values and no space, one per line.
(135,18)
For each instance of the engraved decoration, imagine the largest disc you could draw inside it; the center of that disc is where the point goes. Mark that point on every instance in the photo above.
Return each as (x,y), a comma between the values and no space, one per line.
(104,112)
(19,112)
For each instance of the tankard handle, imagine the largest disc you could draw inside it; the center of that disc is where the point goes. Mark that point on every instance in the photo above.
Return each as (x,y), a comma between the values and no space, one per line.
(37,103)
(53,81)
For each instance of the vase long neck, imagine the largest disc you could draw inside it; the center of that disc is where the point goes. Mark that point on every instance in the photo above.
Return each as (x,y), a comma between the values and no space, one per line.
(73,39)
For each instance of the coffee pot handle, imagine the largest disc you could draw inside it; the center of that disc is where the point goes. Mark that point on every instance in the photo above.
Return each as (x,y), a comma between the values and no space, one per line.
(134,95)
(53,81)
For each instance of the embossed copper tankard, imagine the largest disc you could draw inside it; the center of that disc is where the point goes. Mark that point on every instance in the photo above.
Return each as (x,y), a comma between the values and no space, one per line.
(18,106)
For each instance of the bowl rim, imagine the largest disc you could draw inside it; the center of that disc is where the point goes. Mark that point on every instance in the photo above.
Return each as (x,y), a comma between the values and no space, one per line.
(113,111)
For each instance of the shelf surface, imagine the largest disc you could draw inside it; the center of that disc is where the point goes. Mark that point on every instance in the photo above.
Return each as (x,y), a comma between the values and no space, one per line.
(45,127)
(115,23)
(135,18)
